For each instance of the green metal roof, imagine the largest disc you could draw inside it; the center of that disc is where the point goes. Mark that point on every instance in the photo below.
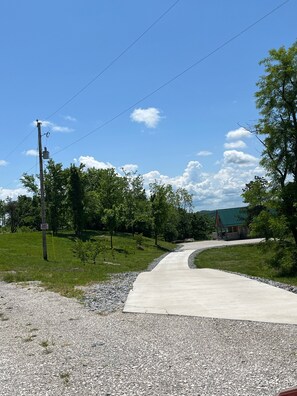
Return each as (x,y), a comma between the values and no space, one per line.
(232,217)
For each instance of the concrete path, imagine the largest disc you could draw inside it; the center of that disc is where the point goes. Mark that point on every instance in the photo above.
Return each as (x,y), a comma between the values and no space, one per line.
(172,288)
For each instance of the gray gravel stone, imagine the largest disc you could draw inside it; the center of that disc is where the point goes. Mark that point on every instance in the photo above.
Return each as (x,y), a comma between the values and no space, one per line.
(51,345)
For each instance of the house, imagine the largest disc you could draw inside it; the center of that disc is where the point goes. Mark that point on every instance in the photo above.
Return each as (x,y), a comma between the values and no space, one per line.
(231,224)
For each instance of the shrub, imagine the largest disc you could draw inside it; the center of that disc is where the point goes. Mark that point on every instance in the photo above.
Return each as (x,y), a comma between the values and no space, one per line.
(88,251)
(283,258)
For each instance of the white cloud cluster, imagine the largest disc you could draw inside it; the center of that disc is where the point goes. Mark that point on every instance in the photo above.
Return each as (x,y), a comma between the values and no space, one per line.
(234,145)
(204,153)
(32,153)
(70,118)
(219,189)
(12,193)
(211,190)
(239,133)
(3,163)
(91,162)
(150,117)
(130,168)
(54,127)
(240,158)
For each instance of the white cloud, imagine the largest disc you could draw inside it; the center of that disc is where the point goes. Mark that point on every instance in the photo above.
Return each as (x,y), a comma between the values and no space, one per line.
(32,153)
(70,118)
(234,145)
(204,153)
(90,162)
(63,129)
(210,191)
(3,163)
(130,168)
(239,133)
(239,158)
(12,193)
(150,116)
(54,127)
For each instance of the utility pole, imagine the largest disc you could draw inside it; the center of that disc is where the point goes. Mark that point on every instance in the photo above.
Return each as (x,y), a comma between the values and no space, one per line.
(43,219)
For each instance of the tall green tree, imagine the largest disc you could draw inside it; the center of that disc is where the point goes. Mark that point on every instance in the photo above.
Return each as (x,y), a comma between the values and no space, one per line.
(28,212)
(30,182)
(55,180)
(202,226)
(11,209)
(261,207)
(111,199)
(136,213)
(2,213)
(184,205)
(277,128)
(162,200)
(76,198)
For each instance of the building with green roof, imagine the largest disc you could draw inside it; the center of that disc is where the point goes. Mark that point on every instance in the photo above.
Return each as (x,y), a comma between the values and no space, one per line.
(231,223)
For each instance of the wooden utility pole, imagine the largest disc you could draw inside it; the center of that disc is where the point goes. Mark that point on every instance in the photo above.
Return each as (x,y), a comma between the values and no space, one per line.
(43,213)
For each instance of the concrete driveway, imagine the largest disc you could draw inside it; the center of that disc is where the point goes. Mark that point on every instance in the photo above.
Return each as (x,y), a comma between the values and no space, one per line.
(172,288)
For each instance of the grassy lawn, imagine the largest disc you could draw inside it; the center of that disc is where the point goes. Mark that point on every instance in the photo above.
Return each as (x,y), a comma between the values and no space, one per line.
(21,259)
(247,259)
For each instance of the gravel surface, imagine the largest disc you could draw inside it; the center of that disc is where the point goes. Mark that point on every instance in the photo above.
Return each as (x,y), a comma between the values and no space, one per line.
(51,345)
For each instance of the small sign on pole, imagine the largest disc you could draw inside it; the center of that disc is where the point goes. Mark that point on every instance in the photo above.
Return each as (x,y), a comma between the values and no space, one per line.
(44,226)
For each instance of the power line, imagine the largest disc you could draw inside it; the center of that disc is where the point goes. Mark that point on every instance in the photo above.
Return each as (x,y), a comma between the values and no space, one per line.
(114,60)
(90,82)
(171,80)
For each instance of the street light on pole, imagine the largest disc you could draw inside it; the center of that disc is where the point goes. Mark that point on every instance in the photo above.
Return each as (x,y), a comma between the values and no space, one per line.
(44,225)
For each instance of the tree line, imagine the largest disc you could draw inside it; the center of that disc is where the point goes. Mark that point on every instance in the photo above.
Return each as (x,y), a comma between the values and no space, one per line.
(101,199)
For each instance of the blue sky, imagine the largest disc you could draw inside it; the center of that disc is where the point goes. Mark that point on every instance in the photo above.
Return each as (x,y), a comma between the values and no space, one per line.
(189,133)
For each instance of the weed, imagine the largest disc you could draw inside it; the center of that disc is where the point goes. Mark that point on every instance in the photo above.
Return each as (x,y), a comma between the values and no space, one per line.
(65,377)
(3,318)
(29,338)
(44,344)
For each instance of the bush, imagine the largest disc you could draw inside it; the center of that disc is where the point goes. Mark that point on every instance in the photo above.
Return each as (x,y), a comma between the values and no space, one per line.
(139,240)
(88,251)
(284,257)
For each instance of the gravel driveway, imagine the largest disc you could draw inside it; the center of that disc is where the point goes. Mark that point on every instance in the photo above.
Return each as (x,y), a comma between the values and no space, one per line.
(51,345)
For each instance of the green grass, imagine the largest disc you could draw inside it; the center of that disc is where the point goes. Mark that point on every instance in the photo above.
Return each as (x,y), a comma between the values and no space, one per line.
(21,259)
(247,259)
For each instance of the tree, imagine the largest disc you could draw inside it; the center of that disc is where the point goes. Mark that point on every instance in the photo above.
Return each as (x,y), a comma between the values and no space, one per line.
(28,213)
(257,194)
(184,208)
(55,193)
(277,102)
(135,204)
(2,213)
(13,215)
(76,198)
(161,203)
(202,225)
(105,189)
